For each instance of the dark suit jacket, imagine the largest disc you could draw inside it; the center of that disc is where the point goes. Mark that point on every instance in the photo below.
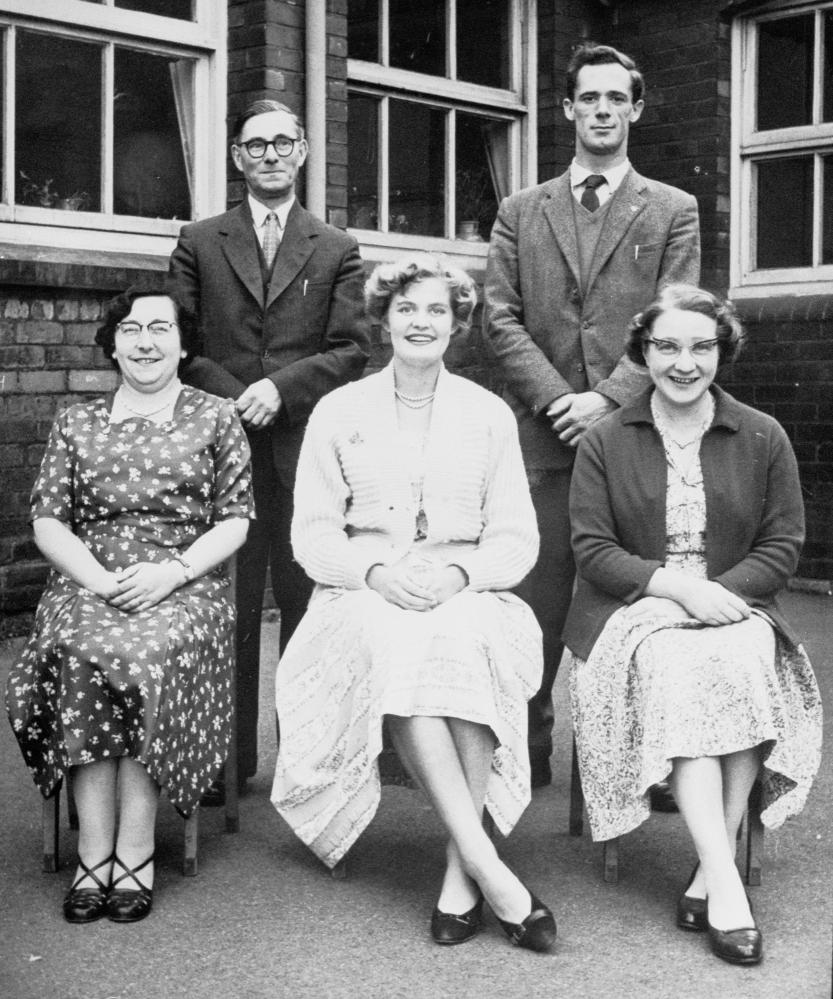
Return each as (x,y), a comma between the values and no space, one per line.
(548,338)
(309,336)
(754,511)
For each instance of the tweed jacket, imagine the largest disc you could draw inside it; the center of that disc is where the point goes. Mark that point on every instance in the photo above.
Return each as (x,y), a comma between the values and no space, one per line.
(354,499)
(547,337)
(754,511)
(308,336)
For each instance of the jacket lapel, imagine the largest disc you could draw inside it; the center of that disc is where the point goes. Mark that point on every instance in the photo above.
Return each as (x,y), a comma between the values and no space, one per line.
(559,213)
(625,205)
(295,250)
(240,249)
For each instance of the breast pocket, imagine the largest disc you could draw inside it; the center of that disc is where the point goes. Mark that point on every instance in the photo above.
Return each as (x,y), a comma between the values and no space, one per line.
(316,308)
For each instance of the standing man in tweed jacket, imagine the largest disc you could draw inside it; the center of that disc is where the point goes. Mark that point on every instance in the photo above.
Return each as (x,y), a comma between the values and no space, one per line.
(570,263)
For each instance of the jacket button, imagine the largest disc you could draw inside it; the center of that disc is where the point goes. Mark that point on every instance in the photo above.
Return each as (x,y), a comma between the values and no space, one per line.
(579,367)
(265,354)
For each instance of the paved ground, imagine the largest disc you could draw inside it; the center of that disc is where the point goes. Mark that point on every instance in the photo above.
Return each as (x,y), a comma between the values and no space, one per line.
(263,919)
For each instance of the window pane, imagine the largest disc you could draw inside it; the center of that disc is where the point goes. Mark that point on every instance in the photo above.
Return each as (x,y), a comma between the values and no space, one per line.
(483,42)
(785,212)
(416,172)
(417,36)
(827,212)
(827,112)
(58,139)
(167,8)
(362,166)
(481,149)
(785,72)
(363,30)
(153,116)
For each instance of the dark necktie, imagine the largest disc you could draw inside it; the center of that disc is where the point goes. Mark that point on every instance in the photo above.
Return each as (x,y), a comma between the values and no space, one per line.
(589,198)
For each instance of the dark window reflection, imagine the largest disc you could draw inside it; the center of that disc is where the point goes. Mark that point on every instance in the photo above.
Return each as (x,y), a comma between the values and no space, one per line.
(152,112)
(58,116)
(483,42)
(362,159)
(478,154)
(417,36)
(167,8)
(827,212)
(827,113)
(785,212)
(417,182)
(363,30)
(785,72)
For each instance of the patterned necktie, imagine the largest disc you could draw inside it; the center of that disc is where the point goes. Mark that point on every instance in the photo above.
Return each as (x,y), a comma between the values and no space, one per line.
(271,230)
(589,198)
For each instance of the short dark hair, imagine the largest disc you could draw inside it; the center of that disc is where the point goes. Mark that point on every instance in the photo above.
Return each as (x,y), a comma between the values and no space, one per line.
(591,54)
(688,298)
(390,279)
(121,306)
(263,107)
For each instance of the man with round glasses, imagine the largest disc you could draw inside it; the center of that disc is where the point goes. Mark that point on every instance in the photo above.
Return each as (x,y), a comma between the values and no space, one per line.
(280,299)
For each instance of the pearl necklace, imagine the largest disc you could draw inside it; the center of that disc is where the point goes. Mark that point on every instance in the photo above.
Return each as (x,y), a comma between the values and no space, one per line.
(147,413)
(414,401)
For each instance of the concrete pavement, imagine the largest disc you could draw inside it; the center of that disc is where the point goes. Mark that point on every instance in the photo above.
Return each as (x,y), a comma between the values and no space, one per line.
(264,919)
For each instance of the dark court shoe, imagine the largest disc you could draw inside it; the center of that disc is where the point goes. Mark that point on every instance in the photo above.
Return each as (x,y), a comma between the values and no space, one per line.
(129,905)
(662,800)
(691,912)
(451,928)
(85,905)
(741,946)
(536,932)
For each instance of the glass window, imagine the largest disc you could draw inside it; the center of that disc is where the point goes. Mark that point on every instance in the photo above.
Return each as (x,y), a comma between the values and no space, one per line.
(785,212)
(437,164)
(785,72)
(167,8)
(58,135)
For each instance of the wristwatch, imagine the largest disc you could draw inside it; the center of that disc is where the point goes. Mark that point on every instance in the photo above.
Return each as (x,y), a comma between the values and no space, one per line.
(187,568)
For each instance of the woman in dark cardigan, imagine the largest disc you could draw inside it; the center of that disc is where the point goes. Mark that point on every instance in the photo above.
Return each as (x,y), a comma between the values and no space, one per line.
(687,519)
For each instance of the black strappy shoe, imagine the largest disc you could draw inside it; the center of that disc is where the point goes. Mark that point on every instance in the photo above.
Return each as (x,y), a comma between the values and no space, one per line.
(85,905)
(129,905)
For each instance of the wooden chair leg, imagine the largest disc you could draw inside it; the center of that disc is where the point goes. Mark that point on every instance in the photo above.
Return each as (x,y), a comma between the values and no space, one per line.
(576,796)
(192,835)
(611,861)
(50,825)
(72,809)
(754,838)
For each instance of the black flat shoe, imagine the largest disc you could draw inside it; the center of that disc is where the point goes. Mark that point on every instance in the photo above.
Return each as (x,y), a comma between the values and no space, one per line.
(451,928)
(741,946)
(662,799)
(536,932)
(129,905)
(691,912)
(85,905)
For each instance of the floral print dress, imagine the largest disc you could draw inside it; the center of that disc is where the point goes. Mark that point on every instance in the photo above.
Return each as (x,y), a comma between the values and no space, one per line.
(95,682)
(657,689)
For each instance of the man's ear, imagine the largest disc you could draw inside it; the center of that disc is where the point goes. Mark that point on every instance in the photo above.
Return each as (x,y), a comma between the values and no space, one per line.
(569,113)
(636,110)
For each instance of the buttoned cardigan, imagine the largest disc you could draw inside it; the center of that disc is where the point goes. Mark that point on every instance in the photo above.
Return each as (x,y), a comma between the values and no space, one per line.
(754,511)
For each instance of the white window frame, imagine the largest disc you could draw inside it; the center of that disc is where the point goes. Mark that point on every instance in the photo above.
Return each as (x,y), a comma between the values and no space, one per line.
(747,144)
(203,39)
(517,105)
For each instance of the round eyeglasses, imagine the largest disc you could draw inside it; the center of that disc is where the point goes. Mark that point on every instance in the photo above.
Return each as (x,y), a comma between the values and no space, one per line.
(256,148)
(156,327)
(667,348)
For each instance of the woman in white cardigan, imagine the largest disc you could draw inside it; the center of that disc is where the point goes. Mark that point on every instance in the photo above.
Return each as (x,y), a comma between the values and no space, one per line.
(413,516)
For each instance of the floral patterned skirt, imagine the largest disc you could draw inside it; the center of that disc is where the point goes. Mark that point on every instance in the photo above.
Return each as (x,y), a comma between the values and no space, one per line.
(656,690)
(355,658)
(96,683)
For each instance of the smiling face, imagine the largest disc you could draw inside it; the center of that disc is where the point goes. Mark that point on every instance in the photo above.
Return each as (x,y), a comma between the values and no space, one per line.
(420,321)
(682,381)
(603,110)
(270,179)
(149,360)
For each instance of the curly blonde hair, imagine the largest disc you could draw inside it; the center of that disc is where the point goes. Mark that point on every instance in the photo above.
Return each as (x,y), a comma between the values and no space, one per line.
(390,279)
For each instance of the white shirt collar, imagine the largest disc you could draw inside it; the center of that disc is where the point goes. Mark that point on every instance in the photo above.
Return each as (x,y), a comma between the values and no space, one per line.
(260,211)
(614,176)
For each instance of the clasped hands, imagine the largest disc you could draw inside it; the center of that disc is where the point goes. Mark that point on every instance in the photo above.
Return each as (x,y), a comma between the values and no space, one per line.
(702,599)
(260,404)
(141,586)
(414,587)
(574,413)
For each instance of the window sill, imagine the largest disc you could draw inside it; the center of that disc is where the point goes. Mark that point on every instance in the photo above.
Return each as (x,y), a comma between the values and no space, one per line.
(381,247)
(72,267)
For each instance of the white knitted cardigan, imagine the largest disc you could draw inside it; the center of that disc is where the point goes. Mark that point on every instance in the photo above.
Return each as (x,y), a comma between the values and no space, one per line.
(354,506)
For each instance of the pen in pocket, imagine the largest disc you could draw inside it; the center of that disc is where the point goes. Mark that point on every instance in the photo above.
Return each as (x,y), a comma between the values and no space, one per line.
(636,252)
(305,286)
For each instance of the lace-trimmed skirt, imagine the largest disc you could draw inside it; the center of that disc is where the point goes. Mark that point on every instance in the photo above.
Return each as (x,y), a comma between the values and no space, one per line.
(355,658)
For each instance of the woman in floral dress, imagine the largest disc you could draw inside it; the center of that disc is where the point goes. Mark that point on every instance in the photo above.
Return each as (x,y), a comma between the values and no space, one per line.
(125,679)
(413,516)
(687,519)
